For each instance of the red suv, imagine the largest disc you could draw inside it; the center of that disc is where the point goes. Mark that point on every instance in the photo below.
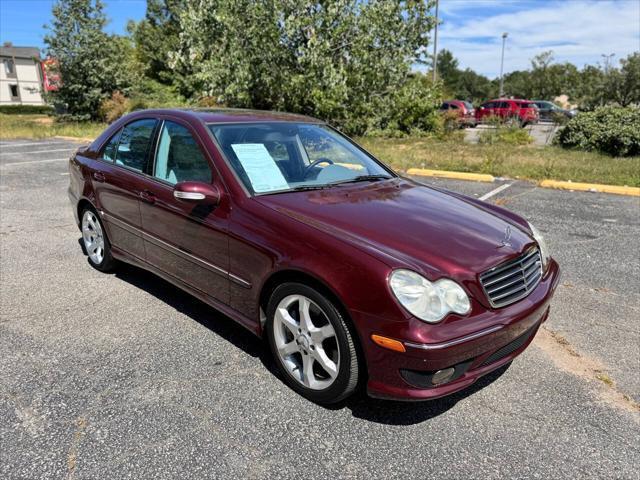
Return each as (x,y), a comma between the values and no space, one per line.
(465,111)
(523,112)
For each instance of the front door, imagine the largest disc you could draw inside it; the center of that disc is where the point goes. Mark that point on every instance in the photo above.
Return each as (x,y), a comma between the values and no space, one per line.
(117,184)
(184,239)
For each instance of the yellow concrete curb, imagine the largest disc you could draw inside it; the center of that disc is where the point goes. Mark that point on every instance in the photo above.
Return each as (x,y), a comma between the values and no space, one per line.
(477,177)
(591,187)
(74,139)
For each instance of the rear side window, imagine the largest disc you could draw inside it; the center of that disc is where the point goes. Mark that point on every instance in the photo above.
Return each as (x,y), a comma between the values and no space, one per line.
(489,105)
(109,152)
(453,106)
(179,158)
(133,148)
(504,105)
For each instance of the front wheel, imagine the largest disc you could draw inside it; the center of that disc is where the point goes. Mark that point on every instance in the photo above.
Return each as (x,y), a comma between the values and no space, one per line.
(312,345)
(95,241)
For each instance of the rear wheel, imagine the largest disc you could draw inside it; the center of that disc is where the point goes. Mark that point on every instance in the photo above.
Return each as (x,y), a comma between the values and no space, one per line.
(95,241)
(312,345)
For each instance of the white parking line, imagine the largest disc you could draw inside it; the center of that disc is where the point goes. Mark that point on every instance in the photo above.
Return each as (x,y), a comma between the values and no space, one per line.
(495,191)
(14,164)
(37,151)
(13,144)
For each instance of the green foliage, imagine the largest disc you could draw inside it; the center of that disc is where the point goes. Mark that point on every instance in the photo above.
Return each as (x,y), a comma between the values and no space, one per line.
(90,61)
(506,135)
(25,109)
(341,61)
(463,84)
(624,84)
(590,87)
(156,37)
(611,130)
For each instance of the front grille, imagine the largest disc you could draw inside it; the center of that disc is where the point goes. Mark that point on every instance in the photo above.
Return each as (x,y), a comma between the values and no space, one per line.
(512,280)
(509,348)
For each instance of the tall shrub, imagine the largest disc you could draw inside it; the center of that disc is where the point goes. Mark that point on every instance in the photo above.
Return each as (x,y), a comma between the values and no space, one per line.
(340,60)
(612,130)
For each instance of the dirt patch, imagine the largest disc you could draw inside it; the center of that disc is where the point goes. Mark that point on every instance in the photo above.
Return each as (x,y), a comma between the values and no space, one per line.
(43,121)
(568,359)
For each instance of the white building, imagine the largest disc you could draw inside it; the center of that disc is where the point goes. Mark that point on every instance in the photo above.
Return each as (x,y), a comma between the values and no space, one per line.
(20,76)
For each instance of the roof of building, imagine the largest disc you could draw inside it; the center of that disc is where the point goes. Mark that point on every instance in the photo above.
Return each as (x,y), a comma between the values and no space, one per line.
(20,52)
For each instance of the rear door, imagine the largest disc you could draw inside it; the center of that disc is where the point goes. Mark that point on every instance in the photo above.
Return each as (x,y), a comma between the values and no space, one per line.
(116,184)
(186,240)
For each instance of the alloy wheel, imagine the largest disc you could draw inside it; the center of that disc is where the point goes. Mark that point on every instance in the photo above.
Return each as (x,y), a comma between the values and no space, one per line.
(93,237)
(306,342)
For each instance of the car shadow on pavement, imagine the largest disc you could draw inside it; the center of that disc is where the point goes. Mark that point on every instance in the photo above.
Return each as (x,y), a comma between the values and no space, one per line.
(374,410)
(190,306)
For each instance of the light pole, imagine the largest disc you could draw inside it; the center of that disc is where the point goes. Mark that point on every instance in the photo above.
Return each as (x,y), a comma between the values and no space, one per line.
(607,61)
(504,40)
(435,46)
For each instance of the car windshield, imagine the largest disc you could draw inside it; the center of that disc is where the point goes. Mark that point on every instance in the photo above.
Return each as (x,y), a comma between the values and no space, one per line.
(469,105)
(277,157)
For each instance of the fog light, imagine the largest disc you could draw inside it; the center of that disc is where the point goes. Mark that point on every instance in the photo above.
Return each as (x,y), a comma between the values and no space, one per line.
(442,376)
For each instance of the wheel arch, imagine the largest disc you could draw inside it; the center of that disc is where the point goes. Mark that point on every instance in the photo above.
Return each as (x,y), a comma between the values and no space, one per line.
(82,204)
(292,275)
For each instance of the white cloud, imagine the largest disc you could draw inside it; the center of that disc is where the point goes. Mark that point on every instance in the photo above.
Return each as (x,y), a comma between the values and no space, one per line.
(578,31)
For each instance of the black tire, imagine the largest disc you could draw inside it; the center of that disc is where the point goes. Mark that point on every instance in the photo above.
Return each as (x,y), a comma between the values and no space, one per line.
(108,263)
(346,381)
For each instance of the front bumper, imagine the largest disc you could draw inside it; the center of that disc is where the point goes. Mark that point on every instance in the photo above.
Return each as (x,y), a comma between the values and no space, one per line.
(405,376)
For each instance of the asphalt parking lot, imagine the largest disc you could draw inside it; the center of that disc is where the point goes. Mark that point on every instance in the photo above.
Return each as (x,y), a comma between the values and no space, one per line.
(124,376)
(542,133)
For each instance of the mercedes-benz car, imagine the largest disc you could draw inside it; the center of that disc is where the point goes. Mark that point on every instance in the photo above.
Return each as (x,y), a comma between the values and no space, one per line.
(357,276)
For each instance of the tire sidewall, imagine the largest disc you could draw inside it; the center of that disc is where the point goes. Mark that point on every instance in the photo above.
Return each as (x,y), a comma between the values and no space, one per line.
(340,388)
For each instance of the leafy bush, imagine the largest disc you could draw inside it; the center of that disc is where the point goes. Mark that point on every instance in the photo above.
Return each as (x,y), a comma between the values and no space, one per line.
(611,130)
(113,108)
(505,135)
(26,109)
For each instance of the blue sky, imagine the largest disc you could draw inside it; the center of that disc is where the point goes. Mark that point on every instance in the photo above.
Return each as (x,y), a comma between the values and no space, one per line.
(578,31)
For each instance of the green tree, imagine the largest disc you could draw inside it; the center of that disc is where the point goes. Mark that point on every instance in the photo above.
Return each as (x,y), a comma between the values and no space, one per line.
(156,37)
(462,84)
(624,83)
(340,60)
(90,66)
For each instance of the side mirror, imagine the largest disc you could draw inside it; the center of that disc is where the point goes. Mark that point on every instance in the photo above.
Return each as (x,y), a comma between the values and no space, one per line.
(197,192)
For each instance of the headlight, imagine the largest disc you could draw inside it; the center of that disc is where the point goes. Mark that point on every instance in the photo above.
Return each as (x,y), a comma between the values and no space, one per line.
(428,301)
(542,245)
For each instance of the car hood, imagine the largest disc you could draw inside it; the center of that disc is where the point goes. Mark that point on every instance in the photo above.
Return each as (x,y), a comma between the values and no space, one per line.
(407,224)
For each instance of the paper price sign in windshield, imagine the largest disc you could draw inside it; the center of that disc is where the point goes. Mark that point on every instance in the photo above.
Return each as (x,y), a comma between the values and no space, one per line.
(261,168)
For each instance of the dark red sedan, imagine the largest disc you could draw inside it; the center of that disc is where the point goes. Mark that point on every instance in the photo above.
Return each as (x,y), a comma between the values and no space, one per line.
(356,276)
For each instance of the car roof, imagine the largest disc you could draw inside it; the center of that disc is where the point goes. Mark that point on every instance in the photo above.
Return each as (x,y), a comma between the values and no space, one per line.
(234,115)
(510,100)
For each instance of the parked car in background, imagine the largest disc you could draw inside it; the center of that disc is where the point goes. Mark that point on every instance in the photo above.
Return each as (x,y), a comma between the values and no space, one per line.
(550,111)
(514,111)
(463,109)
(354,274)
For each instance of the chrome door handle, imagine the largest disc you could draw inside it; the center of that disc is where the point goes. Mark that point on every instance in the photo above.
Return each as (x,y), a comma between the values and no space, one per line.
(99,177)
(147,196)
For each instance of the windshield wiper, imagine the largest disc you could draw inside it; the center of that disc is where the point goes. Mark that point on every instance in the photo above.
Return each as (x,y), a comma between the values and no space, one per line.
(364,178)
(300,188)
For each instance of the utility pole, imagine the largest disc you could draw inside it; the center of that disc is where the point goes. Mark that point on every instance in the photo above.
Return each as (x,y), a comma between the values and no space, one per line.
(504,40)
(435,46)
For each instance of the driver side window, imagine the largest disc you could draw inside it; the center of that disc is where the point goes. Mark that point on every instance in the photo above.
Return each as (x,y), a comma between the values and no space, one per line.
(179,157)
